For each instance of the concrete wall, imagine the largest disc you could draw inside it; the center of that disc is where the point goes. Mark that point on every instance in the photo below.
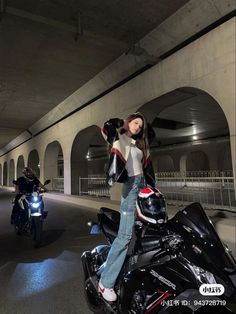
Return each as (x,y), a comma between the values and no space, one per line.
(207,64)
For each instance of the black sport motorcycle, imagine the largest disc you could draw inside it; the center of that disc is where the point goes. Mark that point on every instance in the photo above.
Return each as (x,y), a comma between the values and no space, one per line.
(30,214)
(178,267)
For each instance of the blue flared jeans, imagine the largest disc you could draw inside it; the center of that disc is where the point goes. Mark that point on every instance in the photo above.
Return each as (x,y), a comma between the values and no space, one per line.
(119,247)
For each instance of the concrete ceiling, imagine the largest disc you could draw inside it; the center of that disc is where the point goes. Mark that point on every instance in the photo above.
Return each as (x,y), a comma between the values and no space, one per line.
(51,48)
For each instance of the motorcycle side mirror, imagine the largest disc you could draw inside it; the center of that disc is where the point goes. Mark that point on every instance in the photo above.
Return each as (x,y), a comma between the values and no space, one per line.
(94,227)
(47,182)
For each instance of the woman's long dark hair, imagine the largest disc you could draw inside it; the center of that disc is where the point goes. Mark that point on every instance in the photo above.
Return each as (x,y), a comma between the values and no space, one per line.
(142,137)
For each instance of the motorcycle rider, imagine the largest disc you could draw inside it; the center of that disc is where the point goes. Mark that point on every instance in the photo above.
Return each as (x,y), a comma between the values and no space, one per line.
(129,164)
(24,184)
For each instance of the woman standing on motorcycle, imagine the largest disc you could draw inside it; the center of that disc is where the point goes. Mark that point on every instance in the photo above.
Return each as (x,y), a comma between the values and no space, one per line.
(129,164)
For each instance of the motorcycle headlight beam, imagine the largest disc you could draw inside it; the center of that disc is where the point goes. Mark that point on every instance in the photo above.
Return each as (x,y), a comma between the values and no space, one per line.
(36,214)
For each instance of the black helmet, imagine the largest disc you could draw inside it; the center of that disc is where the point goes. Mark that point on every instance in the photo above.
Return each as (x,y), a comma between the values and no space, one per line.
(28,173)
(151,206)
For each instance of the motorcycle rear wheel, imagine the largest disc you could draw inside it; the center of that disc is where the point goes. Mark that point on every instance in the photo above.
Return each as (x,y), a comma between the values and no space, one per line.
(95,304)
(18,230)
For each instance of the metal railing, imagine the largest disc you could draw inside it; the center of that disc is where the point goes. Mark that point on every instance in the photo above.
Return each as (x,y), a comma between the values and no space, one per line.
(213,192)
(94,186)
(58,185)
(202,173)
(213,189)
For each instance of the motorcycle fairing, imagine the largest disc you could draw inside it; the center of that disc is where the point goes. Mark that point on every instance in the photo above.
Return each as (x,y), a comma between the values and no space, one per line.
(195,227)
(171,276)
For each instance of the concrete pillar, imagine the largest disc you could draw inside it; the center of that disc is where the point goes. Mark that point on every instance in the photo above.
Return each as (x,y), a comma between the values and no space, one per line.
(1,171)
(39,168)
(115,191)
(82,172)
(233,152)
(51,163)
(183,160)
(11,172)
(212,155)
(5,173)
(67,174)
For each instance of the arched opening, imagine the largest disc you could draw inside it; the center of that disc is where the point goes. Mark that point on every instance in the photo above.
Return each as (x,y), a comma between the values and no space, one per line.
(88,158)
(54,166)
(197,161)
(184,118)
(163,163)
(20,166)
(33,162)
(0,174)
(11,172)
(5,173)
(191,126)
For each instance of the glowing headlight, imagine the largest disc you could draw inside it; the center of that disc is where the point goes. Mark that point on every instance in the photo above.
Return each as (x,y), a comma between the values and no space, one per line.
(202,275)
(35,198)
(35,205)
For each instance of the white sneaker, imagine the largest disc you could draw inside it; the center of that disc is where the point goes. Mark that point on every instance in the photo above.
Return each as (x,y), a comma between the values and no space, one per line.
(107,294)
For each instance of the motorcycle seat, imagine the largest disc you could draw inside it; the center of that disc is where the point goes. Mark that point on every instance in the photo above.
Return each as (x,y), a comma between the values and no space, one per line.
(109,221)
(111,214)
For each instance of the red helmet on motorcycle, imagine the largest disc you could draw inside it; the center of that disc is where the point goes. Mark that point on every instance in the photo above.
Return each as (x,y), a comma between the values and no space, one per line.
(151,206)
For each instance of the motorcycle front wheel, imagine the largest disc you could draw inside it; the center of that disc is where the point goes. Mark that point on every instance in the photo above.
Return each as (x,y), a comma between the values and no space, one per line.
(18,230)
(37,231)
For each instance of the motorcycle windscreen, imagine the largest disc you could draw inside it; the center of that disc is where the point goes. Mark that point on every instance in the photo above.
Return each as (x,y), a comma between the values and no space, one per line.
(194,219)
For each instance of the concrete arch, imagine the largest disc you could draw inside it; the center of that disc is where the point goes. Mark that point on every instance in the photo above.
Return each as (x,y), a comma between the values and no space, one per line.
(11,172)
(184,103)
(33,162)
(5,173)
(80,154)
(54,165)
(184,116)
(20,165)
(197,161)
(0,174)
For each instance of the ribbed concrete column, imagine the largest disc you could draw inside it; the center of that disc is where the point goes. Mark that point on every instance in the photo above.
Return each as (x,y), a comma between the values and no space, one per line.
(67,174)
